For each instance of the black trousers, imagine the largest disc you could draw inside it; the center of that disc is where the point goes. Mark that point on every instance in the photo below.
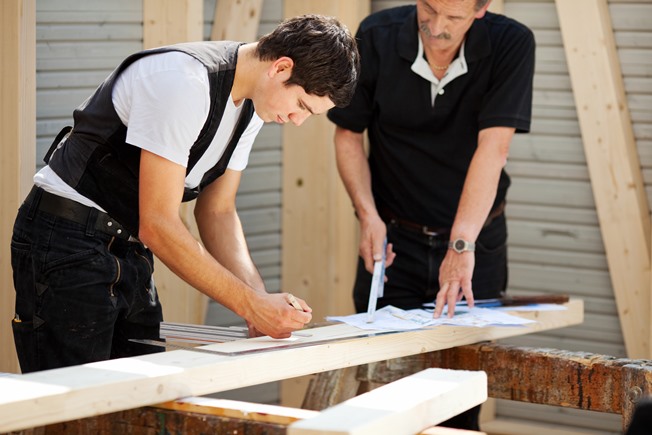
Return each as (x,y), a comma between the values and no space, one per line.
(413,278)
(81,294)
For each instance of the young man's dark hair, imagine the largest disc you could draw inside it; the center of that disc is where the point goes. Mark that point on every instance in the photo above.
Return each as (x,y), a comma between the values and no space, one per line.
(316,43)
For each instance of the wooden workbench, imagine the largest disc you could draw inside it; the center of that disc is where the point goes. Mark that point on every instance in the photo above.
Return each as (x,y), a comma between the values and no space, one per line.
(70,393)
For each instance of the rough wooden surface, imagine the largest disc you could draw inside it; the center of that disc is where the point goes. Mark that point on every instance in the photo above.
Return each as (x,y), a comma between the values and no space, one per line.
(545,376)
(152,421)
(194,416)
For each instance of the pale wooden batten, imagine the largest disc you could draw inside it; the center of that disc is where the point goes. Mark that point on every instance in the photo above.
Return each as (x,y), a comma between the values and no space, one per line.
(18,144)
(613,162)
(403,407)
(169,22)
(236,20)
(320,232)
(57,395)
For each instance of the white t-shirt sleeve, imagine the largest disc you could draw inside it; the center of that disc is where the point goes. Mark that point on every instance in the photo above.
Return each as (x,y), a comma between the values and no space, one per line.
(163,100)
(240,156)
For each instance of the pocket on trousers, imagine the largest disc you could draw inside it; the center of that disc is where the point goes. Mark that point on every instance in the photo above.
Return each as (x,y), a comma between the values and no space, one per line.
(25,342)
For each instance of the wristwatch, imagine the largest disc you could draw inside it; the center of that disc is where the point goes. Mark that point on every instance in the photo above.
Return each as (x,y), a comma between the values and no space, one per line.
(461,245)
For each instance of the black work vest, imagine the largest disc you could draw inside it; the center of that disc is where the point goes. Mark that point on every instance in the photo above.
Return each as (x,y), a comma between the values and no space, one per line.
(97,162)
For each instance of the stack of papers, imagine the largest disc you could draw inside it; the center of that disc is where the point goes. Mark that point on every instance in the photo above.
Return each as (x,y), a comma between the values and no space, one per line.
(396,319)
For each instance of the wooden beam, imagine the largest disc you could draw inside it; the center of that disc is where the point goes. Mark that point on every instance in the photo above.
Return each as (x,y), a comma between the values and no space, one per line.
(236,20)
(18,145)
(168,22)
(192,415)
(171,21)
(319,228)
(320,232)
(52,396)
(402,407)
(197,415)
(578,380)
(497,6)
(613,163)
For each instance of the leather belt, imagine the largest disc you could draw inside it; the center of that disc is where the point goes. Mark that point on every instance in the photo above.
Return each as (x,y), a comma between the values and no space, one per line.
(392,219)
(74,211)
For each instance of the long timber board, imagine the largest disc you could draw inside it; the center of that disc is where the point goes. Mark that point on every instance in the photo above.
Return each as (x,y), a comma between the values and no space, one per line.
(52,396)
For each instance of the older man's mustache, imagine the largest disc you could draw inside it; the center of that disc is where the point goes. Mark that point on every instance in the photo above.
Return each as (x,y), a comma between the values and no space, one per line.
(426,31)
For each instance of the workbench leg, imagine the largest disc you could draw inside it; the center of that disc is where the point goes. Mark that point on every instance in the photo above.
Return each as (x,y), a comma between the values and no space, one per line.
(331,387)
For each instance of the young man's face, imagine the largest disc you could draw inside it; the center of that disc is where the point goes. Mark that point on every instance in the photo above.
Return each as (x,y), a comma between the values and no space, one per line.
(444,23)
(276,102)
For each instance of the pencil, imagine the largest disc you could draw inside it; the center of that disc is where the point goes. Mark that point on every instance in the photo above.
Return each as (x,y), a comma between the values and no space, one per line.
(293,301)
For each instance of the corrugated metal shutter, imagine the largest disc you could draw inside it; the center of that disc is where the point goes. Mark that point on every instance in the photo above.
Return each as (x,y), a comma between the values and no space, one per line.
(76,48)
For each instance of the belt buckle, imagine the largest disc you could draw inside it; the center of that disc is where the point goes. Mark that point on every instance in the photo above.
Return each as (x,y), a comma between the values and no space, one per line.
(425,230)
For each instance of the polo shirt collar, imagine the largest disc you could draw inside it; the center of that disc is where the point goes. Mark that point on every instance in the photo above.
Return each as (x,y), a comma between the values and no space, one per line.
(477,44)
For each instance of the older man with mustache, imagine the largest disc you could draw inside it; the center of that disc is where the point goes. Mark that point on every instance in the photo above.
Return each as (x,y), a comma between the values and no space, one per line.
(445,84)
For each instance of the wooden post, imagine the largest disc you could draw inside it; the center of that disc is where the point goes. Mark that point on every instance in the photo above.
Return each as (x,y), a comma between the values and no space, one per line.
(18,144)
(236,20)
(320,232)
(169,22)
(613,163)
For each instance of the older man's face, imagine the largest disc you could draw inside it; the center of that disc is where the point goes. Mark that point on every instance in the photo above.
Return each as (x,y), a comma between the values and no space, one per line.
(443,23)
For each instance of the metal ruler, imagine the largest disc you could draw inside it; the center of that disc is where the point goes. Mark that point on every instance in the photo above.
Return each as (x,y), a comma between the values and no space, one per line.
(294,345)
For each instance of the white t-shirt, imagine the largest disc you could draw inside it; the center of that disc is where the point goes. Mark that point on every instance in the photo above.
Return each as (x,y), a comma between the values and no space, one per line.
(164,101)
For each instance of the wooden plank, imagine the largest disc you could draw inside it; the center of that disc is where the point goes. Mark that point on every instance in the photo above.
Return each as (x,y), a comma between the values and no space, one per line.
(319,244)
(169,22)
(236,20)
(240,410)
(193,415)
(506,426)
(17,136)
(613,163)
(402,407)
(197,415)
(581,380)
(52,396)
(320,232)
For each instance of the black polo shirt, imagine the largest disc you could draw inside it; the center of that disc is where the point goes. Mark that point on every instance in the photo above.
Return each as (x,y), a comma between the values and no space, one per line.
(420,154)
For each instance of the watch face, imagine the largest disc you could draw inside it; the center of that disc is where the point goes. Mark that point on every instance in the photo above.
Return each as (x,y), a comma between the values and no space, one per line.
(459,245)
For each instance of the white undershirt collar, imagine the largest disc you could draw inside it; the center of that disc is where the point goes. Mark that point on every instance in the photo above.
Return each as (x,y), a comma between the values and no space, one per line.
(457,68)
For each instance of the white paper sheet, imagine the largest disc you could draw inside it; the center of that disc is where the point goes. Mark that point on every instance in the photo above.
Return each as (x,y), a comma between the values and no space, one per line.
(395,319)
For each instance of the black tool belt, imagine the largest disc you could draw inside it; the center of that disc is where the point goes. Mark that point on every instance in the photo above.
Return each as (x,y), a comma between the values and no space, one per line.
(74,211)
(441,232)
